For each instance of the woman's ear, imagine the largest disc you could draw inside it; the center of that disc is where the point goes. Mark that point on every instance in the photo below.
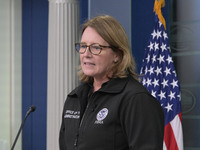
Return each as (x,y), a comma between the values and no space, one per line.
(118,56)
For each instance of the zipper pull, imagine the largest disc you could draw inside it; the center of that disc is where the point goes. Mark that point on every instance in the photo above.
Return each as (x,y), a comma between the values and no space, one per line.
(76,141)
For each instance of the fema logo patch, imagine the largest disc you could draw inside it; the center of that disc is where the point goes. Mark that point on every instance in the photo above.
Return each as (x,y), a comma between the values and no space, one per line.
(101,115)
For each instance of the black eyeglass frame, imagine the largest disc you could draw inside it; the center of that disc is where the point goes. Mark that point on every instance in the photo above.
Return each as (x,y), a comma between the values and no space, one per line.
(101,47)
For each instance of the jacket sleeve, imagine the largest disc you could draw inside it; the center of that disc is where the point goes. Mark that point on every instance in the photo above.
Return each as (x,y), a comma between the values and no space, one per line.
(142,119)
(62,134)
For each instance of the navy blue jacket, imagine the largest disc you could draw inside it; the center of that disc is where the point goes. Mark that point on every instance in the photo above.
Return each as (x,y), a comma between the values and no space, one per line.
(121,115)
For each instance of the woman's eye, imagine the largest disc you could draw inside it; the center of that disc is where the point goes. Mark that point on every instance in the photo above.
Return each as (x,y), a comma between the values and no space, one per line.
(96,47)
(83,46)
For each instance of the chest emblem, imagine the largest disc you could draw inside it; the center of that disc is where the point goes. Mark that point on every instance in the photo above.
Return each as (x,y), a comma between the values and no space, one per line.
(101,115)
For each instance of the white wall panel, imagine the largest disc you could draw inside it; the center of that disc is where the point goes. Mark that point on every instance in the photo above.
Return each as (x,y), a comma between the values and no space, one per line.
(10,72)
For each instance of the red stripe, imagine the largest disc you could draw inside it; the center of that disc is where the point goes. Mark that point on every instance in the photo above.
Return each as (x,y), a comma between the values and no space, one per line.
(169,138)
(180,116)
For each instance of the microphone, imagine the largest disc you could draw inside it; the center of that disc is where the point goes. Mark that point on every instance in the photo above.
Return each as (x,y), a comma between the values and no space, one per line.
(31,109)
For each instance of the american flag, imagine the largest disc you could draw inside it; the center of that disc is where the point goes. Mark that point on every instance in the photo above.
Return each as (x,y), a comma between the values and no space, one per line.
(158,75)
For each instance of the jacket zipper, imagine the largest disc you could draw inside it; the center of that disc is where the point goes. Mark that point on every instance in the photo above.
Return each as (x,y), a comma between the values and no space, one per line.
(77,136)
(84,115)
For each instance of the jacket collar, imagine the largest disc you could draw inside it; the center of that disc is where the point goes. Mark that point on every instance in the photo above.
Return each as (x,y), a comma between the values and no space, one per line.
(114,85)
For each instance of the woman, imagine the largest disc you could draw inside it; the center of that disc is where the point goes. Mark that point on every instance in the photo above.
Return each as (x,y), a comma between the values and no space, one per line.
(110,110)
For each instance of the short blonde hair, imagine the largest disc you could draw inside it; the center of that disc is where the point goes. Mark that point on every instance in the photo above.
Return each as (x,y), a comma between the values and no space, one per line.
(114,34)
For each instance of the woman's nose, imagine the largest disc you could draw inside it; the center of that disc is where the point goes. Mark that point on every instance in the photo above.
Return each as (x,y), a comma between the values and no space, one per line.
(87,52)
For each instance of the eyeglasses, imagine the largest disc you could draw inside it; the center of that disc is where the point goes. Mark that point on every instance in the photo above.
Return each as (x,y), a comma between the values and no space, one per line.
(95,48)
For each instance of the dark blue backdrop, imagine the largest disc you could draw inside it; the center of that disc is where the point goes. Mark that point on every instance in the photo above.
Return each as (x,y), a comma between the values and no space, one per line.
(34,59)
(142,26)
(34,72)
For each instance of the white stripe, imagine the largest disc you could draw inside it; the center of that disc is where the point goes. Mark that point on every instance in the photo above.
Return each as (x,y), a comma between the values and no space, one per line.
(178,132)
(164,146)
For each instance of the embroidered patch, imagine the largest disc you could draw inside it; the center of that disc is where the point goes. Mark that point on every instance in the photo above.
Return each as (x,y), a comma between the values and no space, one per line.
(101,115)
(72,114)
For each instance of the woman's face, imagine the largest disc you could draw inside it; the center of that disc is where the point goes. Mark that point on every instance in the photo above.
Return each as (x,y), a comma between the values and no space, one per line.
(96,66)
